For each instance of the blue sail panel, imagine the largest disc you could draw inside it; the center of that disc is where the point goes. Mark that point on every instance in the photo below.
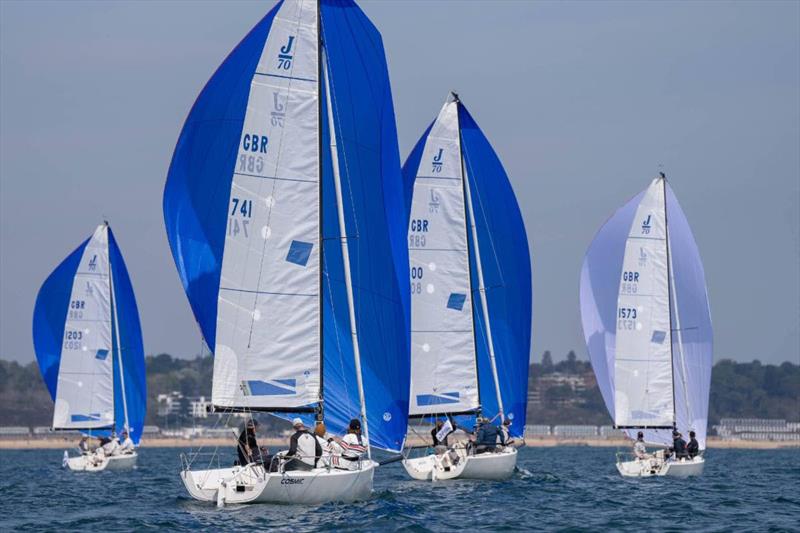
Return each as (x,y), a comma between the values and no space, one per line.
(505,260)
(410,168)
(198,184)
(132,349)
(374,216)
(599,291)
(50,315)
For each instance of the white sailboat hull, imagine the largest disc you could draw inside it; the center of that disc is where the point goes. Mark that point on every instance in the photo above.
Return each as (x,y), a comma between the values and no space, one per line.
(495,466)
(87,463)
(251,484)
(659,467)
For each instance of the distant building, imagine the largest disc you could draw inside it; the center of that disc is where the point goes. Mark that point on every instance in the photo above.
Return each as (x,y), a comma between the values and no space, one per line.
(557,389)
(757,429)
(198,407)
(169,405)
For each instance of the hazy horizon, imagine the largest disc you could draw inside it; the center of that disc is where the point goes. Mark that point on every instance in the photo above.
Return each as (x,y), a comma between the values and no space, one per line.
(583,101)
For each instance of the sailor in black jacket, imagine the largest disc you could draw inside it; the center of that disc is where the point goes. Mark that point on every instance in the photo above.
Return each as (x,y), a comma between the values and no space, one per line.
(304,449)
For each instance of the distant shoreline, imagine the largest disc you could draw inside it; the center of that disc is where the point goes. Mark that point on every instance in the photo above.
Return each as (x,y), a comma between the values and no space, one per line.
(277,442)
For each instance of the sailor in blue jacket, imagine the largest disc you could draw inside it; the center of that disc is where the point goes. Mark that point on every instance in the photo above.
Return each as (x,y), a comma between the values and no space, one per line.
(487,435)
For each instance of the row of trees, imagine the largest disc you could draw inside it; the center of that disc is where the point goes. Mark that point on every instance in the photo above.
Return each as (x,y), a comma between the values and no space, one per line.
(740,390)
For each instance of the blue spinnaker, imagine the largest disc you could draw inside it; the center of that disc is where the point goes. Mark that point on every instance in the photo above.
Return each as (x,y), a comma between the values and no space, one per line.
(506,263)
(132,349)
(196,203)
(50,317)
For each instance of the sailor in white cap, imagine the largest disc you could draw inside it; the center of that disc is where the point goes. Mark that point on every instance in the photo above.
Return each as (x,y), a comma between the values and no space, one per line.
(304,450)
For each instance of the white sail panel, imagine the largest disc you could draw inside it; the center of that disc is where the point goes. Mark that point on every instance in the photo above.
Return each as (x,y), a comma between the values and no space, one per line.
(643,361)
(85,390)
(443,370)
(267,351)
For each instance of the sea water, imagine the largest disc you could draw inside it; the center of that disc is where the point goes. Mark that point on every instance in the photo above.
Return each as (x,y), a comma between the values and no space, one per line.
(566,488)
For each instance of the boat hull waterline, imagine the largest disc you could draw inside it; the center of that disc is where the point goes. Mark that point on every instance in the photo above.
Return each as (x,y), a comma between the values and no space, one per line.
(251,484)
(656,467)
(84,463)
(497,466)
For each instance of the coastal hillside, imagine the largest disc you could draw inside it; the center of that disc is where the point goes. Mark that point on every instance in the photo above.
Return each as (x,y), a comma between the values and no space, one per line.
(563,392)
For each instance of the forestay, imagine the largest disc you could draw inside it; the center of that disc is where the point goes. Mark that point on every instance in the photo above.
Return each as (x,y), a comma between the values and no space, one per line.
(444,374)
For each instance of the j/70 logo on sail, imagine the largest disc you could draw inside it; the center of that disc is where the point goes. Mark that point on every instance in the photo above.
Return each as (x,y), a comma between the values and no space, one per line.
(278,109)
(285,58)
(437,161)
(646,225)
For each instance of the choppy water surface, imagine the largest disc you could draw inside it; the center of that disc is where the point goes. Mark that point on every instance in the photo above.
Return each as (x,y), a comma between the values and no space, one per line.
(574,488)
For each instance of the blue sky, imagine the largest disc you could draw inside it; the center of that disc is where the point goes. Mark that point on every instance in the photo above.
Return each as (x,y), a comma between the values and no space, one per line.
(582,101)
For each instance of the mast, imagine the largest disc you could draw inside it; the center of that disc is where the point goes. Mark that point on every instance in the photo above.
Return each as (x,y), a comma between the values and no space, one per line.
(116,328)
(673,302)
(321,406)
(481,284)
(454,95)
(345,255)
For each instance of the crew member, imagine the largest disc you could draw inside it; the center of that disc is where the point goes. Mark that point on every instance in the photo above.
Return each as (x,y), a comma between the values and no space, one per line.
(505,428)
(486,438)
(127,445)
(693,448)
(678,445)
(352,446)
(247,446)
(83,445)
(304,449)
(639,449)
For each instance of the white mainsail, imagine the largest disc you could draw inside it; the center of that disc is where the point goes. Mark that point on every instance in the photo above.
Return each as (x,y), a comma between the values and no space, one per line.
(643,376)
(443,368)
(85,390)
(267,352)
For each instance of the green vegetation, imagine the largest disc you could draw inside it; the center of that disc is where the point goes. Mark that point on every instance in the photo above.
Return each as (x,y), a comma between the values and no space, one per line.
(566,391)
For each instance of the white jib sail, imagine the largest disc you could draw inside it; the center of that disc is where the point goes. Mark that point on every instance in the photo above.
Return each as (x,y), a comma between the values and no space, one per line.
(643,385)
(443,372)
(85,389)
(267,351)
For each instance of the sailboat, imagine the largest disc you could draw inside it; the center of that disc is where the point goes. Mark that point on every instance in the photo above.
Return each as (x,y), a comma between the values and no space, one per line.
(647,325)
(88,344)
(284,212)
(470,293)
